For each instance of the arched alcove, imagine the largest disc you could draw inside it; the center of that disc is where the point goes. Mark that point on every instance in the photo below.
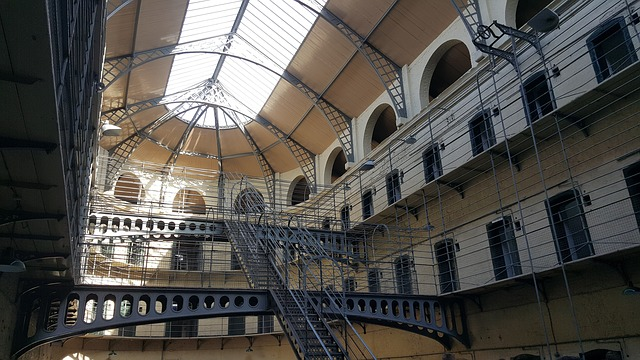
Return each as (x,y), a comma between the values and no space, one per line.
(335,166)
(447,64)
(299,191)
(381,124)
(189,201)
(129,188)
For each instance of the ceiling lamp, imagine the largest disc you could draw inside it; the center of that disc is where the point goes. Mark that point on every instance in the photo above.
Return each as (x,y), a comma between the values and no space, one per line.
(110,130)
(409,140)
(368,165)
(16,266)
(544,21)
(631,290)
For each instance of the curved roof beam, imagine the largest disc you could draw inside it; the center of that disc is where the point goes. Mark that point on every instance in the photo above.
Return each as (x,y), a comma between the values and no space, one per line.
(113,6)
(389,73)
(117,67)
(267,171)
(200,110)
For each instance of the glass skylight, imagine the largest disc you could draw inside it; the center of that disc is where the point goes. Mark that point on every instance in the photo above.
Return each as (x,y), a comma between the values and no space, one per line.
(267,31)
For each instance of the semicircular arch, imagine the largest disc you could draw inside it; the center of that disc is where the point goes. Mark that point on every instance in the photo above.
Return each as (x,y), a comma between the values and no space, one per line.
(299,191)
(335,165)
(380,125)
(189,200)
(129,188)
(447,64)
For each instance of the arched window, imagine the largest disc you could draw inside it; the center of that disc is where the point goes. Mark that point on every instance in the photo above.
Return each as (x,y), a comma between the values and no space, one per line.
(447,64)
(189,201)
(385,126)
(339,166)
(454,63)
(446,259)
(602,354)
(504,248)
(129,188)
(300,192)
(249,201)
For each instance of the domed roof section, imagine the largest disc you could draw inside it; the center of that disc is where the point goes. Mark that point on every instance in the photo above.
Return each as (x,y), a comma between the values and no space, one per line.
(255,87)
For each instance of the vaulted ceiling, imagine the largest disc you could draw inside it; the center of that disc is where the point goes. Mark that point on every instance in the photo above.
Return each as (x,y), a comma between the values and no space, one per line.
(274,73)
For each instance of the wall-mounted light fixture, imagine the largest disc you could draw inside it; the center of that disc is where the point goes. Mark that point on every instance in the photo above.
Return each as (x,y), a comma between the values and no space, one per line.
(631,290)
(544,21)
(367,165)
(409,140)
(14,267)
(110,130)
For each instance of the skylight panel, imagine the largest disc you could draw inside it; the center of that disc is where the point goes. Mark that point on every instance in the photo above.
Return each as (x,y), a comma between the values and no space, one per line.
(274,30)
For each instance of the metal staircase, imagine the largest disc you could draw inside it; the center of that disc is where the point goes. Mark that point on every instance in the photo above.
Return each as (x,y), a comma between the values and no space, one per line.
(250,254)
(294,269)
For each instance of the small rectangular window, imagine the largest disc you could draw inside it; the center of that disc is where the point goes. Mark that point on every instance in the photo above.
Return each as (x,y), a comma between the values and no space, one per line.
(350,284)
(236,325)
(570,231)
(404,282)
(432,164)
(136,253)
(373,278)
(632,177)
(186,256)
(182,328)
(537,97)
(481,133)
(367,204)
(107,248)
(610,48)
(265,324)
(345,217)
(127,331)
(393,187)
(445,257)
(235,262)
(504,249)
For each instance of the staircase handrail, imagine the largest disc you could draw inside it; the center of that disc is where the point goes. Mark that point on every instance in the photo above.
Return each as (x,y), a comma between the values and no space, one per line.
(282,279)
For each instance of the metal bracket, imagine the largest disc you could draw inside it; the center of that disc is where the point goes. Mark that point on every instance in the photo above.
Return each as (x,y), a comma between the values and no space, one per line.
(415,211)
(278,338)
(578,122)
(513,159)
(455,186)
(474,299)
